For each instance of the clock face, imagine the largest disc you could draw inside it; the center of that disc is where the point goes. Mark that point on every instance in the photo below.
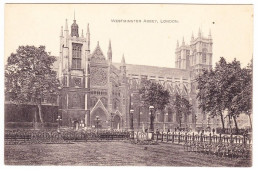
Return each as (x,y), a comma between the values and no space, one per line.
(98,76)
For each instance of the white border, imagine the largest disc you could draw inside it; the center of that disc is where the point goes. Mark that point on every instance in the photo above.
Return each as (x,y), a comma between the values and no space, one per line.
(256,110)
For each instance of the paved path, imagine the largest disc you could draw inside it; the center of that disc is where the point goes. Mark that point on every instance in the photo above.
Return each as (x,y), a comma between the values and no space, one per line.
(112,153)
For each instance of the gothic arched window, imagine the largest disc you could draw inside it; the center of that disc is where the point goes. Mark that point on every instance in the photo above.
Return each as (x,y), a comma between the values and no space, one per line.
(93,101)
(76,56)
(204,56)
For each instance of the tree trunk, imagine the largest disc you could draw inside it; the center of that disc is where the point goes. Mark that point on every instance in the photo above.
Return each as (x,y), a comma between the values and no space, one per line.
(249,115)
(40,112)
(235,121)
(222,120)
(229,122)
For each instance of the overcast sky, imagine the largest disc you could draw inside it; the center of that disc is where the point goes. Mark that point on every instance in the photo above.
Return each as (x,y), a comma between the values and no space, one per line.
(142,43)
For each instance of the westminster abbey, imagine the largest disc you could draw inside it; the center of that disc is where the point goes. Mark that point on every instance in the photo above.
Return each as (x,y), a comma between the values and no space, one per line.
(93,85)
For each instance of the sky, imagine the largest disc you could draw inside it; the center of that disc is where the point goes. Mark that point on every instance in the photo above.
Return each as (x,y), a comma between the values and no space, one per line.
(141,43)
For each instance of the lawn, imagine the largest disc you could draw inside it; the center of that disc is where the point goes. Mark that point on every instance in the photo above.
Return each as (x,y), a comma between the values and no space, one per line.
(112,154)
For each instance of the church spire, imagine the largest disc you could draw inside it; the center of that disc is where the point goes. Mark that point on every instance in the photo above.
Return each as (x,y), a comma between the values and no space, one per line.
(109,52)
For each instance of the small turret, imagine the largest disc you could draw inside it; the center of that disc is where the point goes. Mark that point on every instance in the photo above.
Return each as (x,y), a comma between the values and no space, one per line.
(192,37)
(209,34)
(199,33)
(123,60)
(82,35)
(74,28)
(88,38)
(66,25)
(109,52)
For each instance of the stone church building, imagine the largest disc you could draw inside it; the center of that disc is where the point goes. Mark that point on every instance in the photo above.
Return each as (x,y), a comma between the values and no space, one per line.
(93,85)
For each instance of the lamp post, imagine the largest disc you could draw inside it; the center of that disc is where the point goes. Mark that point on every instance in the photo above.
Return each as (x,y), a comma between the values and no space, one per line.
(131,119)
(58,120)
(97,121)
(151,108)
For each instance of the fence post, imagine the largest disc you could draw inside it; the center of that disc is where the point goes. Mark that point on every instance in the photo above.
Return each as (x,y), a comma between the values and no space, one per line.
(173,137)
(201,138)
(210,138)
(231,138)
(186,140)
(162,136)
(220,140)
(157,134)
(179,139)
(193,138)
(167,137)
(244,137)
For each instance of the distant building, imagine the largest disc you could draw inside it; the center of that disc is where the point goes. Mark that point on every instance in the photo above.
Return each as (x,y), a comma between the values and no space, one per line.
(95,86)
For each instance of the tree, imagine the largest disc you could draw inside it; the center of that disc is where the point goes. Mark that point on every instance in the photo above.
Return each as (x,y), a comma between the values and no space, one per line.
(211,85)
(227,87)
(29,77)
(154,94)
(242,101)
(181,106)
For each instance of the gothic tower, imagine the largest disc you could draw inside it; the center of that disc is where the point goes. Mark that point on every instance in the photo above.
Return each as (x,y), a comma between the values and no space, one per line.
(74,76)
(201,53)
(182,54)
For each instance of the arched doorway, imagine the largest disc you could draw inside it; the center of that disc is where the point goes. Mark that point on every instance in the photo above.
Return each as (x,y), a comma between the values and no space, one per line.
(103,123)
(117,122)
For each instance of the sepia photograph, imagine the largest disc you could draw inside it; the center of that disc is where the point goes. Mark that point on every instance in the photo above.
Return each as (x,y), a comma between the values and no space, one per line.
(128,85)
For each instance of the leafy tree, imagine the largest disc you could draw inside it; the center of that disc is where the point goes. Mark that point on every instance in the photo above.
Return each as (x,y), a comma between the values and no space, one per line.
(29,77)
(211,85)
(242,101)
(227,87)
(154,94)
(181,106)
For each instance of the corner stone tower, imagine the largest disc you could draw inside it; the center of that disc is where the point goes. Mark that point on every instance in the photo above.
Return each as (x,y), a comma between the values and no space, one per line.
(74,75)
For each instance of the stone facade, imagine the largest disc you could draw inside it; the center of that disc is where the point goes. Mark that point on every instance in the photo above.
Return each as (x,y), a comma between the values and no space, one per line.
(95,86)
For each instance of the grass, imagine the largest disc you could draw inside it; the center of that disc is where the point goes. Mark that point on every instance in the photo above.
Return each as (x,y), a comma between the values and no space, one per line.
(113,154)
